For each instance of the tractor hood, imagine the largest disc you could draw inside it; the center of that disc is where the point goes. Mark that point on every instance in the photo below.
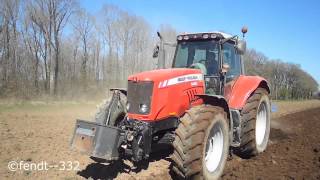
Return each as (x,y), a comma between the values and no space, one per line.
(162,74)
(156,90)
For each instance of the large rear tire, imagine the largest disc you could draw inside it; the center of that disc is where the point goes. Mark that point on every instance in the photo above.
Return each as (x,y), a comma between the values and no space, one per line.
(201,144)
(255,124)
(113,110)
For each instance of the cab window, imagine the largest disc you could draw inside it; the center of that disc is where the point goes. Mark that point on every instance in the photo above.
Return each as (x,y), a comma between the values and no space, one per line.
(232,59)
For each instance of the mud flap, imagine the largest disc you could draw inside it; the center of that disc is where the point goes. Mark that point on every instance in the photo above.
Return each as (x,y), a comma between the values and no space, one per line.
(97,140)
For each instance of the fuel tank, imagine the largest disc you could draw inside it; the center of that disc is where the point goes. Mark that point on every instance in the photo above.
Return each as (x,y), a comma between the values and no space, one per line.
(160,94)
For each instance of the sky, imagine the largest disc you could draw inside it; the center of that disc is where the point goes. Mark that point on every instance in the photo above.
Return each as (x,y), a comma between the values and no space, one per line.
(286,30)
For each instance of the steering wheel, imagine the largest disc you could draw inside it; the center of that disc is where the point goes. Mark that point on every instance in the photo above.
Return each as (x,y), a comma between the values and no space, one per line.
(202,61)
(200,66)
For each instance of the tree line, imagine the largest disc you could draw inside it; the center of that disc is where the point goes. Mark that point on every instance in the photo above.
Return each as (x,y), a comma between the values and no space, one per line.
(57,48)
(287,80)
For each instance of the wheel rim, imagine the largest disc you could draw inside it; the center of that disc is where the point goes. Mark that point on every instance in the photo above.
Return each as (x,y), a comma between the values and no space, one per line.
(214,148)
(261,124)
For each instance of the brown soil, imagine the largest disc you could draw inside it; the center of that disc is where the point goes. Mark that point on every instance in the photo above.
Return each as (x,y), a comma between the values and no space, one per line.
(42,132)
(293,151)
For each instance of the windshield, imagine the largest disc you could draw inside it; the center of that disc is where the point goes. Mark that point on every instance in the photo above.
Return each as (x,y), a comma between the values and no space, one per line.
(198,54)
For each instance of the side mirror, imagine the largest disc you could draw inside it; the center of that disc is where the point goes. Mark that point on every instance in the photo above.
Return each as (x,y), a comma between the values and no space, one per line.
(156,51)
(159,35)
(241,47)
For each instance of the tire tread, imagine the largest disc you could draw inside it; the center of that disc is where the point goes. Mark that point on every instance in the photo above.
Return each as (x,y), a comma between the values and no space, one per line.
(189,142)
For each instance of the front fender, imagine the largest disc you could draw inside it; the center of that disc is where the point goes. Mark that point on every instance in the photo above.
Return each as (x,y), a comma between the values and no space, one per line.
(243,88)
(215,100)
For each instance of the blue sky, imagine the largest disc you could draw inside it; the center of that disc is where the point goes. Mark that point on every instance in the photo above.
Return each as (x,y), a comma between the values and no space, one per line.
(286,30)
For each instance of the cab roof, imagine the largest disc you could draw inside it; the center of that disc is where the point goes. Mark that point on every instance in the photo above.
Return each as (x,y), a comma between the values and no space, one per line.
(203,35)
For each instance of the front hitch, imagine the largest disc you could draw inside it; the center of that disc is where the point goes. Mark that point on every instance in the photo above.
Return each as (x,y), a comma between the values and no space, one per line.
(97,140)
(110,143)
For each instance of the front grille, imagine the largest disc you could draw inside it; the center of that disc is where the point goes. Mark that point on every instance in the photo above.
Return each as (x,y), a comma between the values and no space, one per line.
(139,93)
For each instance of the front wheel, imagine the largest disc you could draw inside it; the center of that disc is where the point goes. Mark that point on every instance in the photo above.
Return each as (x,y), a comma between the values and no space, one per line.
(201,144)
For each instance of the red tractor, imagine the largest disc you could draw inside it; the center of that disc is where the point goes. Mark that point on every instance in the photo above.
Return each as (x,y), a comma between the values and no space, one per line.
(204,107)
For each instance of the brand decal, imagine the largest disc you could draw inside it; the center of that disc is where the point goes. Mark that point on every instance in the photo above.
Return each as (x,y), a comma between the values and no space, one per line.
(181,79)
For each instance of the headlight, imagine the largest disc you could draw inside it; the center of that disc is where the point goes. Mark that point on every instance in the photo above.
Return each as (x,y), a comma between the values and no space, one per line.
(213,36)
(205,36)
(143,108)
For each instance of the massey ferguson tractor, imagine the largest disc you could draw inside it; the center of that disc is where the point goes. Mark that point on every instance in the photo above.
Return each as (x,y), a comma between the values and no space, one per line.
(204,108)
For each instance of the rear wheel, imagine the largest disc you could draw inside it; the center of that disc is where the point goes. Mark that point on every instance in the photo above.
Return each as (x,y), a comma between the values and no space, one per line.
(255,124)
(201,144)
(112,110)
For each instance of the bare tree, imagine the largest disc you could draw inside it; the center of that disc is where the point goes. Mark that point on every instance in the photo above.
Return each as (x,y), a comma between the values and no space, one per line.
(51,16)
(83,27)
(38,11)
(9,11)
(32,39)
(60,11)
(108,17)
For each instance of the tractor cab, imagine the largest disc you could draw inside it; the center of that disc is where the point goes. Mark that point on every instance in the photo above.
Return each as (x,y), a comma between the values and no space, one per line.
(216,54)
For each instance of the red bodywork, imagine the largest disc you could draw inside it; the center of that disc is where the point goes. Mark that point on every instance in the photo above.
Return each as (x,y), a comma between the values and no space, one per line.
(175,89)
(241,89)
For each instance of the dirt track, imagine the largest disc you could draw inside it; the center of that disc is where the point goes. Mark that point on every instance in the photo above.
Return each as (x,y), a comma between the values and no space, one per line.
(41,133)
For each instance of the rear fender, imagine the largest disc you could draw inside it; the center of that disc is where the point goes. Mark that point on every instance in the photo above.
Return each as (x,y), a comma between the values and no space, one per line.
(122,90)
(243,88)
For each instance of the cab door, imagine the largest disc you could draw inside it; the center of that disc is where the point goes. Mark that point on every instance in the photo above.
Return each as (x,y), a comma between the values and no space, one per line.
(233,59)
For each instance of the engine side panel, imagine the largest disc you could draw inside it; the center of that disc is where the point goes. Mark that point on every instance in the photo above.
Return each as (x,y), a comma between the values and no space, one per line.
(180,96)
